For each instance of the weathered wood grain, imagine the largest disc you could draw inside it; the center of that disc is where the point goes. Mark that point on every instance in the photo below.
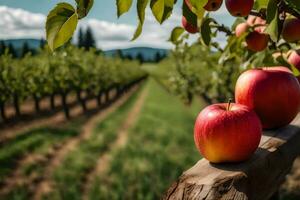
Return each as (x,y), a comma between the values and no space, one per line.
(256,179)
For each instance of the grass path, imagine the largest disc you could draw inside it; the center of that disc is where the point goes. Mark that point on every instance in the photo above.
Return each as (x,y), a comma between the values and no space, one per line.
(104,160)
(160,148)
(45,184)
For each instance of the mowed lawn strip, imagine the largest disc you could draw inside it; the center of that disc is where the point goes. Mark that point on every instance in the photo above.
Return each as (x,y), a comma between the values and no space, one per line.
(160,147)
(69,177)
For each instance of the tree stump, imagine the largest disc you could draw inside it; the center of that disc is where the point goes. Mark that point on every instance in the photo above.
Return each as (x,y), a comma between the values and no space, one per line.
(259,178)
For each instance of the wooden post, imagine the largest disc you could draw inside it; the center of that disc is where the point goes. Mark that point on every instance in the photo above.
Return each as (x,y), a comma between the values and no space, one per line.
(256,179)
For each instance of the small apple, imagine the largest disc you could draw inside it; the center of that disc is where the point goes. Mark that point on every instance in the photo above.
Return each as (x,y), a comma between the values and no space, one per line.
(213,5)
(291,30)
(272,92)
(227,132)
(257,41)
(188,26)
(239,8)
(241,29)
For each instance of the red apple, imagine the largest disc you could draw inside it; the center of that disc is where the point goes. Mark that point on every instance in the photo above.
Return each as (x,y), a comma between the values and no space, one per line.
(241,29)
(257,41)
(227,132)
(239,8)
(291,30)
(188,26)
(273,93)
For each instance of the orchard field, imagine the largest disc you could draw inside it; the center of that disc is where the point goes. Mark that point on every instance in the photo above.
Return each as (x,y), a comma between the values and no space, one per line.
(135,151)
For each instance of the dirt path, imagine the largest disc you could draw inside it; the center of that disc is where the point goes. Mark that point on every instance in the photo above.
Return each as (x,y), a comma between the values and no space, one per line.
(44,186)
(9,133)
(104,160)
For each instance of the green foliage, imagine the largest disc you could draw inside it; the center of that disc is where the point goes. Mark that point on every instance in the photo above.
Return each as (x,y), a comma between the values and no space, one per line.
(69,69)
(83,7)
(123,6)
(176,33)
(61,24)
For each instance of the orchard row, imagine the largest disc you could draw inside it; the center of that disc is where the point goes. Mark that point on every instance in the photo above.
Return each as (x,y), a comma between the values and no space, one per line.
(65,71)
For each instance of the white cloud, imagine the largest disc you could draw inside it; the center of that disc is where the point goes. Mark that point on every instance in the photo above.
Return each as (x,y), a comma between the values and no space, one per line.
(19,23)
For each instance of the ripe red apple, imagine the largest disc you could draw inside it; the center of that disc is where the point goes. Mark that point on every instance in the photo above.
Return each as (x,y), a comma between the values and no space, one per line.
(239,8)
(188,26)
(213,5)
(241,29)
(273,93)
(227,133)
(257,41)
(291,30)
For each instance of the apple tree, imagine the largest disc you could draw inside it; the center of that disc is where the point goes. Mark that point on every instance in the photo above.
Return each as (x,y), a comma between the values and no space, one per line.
(265,33)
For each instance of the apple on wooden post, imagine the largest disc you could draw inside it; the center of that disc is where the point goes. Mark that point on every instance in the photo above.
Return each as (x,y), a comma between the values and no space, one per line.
(272,92)
(227,132)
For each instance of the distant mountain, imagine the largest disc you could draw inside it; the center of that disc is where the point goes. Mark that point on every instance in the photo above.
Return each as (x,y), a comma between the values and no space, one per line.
(147,52)
(18,43)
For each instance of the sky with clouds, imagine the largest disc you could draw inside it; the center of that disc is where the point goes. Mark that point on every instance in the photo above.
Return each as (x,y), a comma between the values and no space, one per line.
(26,19)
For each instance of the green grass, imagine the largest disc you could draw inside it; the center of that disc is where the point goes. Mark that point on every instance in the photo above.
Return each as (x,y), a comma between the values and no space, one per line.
(69,176)
(160,148)
(36,141)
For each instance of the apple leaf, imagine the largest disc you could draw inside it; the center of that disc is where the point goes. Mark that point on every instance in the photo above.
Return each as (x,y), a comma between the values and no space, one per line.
(61,24)
(259,4)
(162,9)
(206,30)
(273,21)
(293,4)
(123,6)
(157,7)
(83,7)
(176,33)
(198,6)
(141,7)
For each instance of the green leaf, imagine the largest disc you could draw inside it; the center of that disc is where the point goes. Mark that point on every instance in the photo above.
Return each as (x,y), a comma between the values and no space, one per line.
(259,4)
(206,30)
(83,7)
(293,4)
(157,7)
(61,24)
(141,7)
(176,33)
(138,31)
(123,6)
(162,9)
(273,20)
(198,6)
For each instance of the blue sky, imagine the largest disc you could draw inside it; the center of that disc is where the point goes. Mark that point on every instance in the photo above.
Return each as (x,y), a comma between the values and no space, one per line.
(25,19)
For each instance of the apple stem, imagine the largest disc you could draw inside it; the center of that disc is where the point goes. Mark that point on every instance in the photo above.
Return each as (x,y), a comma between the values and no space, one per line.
(229,104)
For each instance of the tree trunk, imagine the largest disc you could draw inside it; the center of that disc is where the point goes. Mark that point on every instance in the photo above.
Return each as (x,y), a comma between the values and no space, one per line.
(2,110)
(17,105)
(81,100)
(107,96)
(36,103)
(99,98)
(52,101)
(65,105)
